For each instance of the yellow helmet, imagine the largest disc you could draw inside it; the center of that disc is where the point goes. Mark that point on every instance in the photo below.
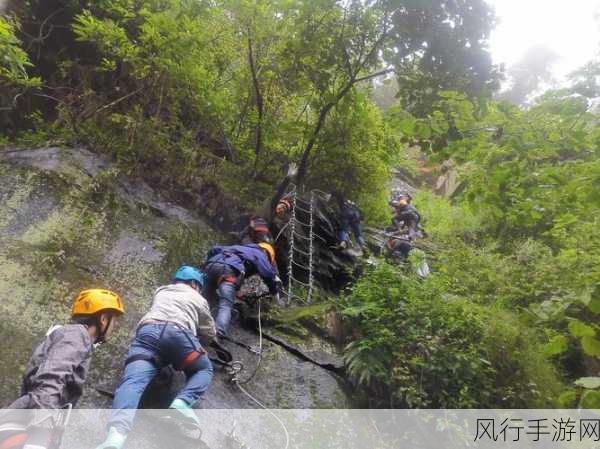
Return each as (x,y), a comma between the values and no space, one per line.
(95,300)
(269,249)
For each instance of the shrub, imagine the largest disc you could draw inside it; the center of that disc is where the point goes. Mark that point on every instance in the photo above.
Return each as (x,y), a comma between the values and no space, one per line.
(420,347)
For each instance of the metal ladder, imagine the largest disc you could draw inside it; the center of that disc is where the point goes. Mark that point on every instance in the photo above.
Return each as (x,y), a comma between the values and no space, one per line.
(301,231)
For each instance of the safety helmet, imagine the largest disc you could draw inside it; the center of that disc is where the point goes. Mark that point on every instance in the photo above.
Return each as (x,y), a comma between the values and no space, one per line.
(283,206)
(92,301)
(269,249)
(404,194)
(187,273)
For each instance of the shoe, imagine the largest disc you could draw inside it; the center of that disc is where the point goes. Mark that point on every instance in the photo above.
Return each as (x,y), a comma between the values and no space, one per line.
(184,419)
(114,440)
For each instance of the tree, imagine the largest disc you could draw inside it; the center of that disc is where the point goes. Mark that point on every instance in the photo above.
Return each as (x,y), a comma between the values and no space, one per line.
(438,46)
(340,60)
(586,80)
(530,74)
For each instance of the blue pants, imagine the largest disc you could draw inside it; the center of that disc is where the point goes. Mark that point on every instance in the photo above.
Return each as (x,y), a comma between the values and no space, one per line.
(169,345)
(344,234)
(226,281)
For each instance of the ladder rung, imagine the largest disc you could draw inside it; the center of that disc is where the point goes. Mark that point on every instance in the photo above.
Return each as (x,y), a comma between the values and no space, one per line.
(304,267)
(302,252)
(306,211)
(300,282)
(301,236)
(307,225)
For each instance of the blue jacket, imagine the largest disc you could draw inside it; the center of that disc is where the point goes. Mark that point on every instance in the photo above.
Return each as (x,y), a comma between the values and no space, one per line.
(247,259)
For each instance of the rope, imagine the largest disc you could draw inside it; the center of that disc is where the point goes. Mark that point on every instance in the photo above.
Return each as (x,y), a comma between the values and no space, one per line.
(260,350)
(257,402)
(311,250)
(237,367)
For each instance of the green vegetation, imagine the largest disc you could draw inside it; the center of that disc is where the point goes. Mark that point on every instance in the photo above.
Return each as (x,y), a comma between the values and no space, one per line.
(226,92)
(516,265)
(218,97)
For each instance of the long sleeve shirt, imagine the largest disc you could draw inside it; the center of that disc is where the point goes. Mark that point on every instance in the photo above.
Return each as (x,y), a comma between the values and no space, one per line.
(57,370)
(247,260)
(182,305)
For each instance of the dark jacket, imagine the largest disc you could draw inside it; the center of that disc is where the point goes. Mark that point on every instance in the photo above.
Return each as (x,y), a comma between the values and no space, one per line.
(56,372)
(350,213)
(407,218)
(257,231)
(247,260)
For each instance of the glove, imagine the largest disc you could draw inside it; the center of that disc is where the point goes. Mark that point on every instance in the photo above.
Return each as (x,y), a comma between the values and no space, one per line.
(292,171)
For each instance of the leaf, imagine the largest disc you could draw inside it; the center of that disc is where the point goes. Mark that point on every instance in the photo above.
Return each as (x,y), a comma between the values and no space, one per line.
(590,383)
(567,399)
(594,305)
(557,345)
(580,329)
(590,400)
(591,346)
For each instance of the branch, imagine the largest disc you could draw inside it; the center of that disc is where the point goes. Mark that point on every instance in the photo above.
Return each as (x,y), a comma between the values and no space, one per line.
(375,75)
(117,101)
(259,101)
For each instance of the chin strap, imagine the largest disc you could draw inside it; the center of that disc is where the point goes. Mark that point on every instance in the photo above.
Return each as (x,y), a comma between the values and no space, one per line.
(101,338)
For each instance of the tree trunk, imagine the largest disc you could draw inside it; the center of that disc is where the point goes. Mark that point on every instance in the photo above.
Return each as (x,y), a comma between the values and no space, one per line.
(259,104)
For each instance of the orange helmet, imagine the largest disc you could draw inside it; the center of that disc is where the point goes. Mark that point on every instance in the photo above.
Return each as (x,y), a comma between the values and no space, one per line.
(269,249)
(283,206)
(92,301)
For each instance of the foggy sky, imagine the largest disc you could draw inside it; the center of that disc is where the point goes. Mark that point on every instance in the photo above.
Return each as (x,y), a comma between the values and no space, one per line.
(569,28)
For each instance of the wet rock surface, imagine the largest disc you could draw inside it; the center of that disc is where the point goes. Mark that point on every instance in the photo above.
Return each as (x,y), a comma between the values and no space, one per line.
(69,220)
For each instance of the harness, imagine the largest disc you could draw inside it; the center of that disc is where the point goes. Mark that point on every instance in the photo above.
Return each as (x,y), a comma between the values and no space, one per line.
(259,226)
(156,360)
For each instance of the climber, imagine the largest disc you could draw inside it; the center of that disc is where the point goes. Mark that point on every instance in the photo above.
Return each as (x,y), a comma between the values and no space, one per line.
(405,226)
(227,266)
(350,217)
(257,231)
(284,207)
(280,203)
(172,333)
(406,218)
(269,215)
(58,368)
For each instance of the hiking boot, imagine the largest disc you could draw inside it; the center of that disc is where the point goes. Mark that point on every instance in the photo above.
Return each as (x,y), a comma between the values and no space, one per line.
(114,440)
(181,416)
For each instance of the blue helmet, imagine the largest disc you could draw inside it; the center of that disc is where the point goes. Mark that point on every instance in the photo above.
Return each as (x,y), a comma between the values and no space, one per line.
(187,273)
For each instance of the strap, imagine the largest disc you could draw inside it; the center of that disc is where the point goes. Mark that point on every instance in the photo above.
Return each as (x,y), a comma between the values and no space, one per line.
(191,358)
(147,357)
(229,278)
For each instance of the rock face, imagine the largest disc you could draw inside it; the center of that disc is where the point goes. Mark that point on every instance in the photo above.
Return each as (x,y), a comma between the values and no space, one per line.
(69,220)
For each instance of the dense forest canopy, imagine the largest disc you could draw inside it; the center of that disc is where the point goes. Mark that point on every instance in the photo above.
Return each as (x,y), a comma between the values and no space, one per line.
(233,91)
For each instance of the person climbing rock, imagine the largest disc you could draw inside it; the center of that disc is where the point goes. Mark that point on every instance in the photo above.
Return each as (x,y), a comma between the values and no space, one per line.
(57,371)
(284,207)
(257,231)
(227,266)
(405,226)
(406,218)
(269,215)
(350,218)
(280,203)
(173,333)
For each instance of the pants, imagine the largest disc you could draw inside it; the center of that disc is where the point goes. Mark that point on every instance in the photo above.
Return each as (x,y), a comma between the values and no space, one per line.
(344,233)
(226,281)
(169,345)
(400,248)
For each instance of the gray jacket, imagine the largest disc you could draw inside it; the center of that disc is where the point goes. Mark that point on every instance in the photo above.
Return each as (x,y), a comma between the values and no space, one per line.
(182,305)
(56,372)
